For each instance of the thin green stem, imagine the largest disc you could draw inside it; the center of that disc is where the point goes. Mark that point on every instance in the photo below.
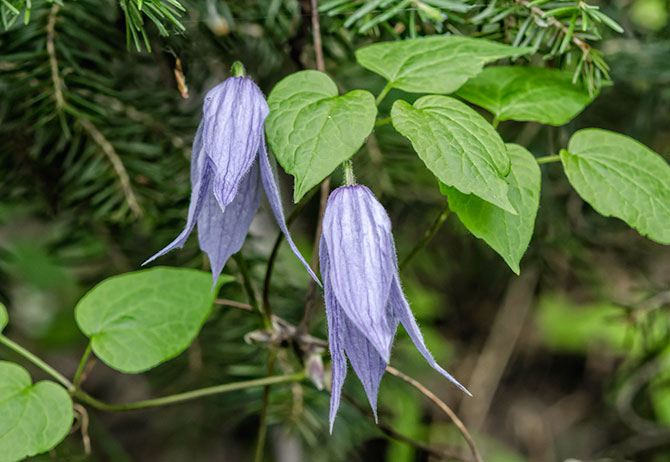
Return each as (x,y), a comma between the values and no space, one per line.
(495,122)
(82,364)
(265,312)
(380,122)
(349,178)
(189,395)
(263,422)
(383,94)
(37,361)
(547,159)
(430,233)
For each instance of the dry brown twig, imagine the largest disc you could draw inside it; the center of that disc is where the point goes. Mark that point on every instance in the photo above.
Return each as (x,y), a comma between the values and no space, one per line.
(442,405)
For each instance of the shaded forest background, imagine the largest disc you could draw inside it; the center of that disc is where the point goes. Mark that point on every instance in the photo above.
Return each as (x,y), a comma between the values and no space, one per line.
(569,360)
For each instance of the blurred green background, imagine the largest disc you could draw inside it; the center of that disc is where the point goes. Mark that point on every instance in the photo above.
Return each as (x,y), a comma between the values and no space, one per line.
(569,360)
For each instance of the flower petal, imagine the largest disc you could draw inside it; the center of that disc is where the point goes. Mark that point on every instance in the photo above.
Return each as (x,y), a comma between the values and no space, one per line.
(269,177)
(233,115)
(404,314)
(357,231)
(335,318)
(221,234)
(366,361)
(201,179)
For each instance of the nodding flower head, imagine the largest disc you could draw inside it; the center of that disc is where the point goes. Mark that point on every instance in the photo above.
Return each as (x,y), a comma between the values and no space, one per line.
(229,163)
(364,299)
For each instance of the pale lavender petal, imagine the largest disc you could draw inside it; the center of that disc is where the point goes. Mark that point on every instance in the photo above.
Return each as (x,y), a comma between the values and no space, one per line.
(233,116)
(357,231)
(335,318)
(271,185)
(404,314)
(222,234)
(201,179)
(366,361)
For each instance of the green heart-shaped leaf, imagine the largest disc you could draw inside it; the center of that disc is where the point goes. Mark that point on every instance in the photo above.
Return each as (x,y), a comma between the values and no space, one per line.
(4,318)
(436,64)
(534,94)
(621,177)
(33,418)
(138,320)
(457,145)
(507,234)
(312,130)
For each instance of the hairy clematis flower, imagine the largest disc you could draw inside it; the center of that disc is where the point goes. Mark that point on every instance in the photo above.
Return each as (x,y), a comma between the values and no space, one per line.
(228,165)
(364,299)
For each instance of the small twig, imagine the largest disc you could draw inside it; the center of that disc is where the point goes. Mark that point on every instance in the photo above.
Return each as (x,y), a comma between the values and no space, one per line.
(89,367)
(83,427)
(180,78)
(429,234)
(53,60)
(390,432)
(234,304)
(115,160)
(325,184)
(316,36)
(442,405)
(187,396)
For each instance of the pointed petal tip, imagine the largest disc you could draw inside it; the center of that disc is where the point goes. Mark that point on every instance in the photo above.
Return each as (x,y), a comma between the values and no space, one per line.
(155,256)
(463,389)
(452,379)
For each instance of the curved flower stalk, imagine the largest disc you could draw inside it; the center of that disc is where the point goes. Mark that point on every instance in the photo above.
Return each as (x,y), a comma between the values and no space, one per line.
(228,166)
(364,299)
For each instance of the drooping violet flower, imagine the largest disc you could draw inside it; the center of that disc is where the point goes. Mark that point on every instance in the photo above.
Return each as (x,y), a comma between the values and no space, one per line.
(228,165)
(364,299)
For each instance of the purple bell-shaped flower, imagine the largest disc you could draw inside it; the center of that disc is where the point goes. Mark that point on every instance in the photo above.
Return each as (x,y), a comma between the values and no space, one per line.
(228,165)
(364,299)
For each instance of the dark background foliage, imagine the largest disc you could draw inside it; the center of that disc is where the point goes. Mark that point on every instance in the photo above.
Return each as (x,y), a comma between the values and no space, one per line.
(570,359)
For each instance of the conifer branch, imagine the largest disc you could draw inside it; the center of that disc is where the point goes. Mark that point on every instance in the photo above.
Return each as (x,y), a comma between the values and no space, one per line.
(115,160)
(539,13)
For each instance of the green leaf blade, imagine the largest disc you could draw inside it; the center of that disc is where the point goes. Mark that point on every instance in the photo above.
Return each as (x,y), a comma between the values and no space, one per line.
(35,418)
(4,317)
(138,320)
(525,94)
(457,145)
(507,234)
(620,177)
(436,64)
(312,130)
